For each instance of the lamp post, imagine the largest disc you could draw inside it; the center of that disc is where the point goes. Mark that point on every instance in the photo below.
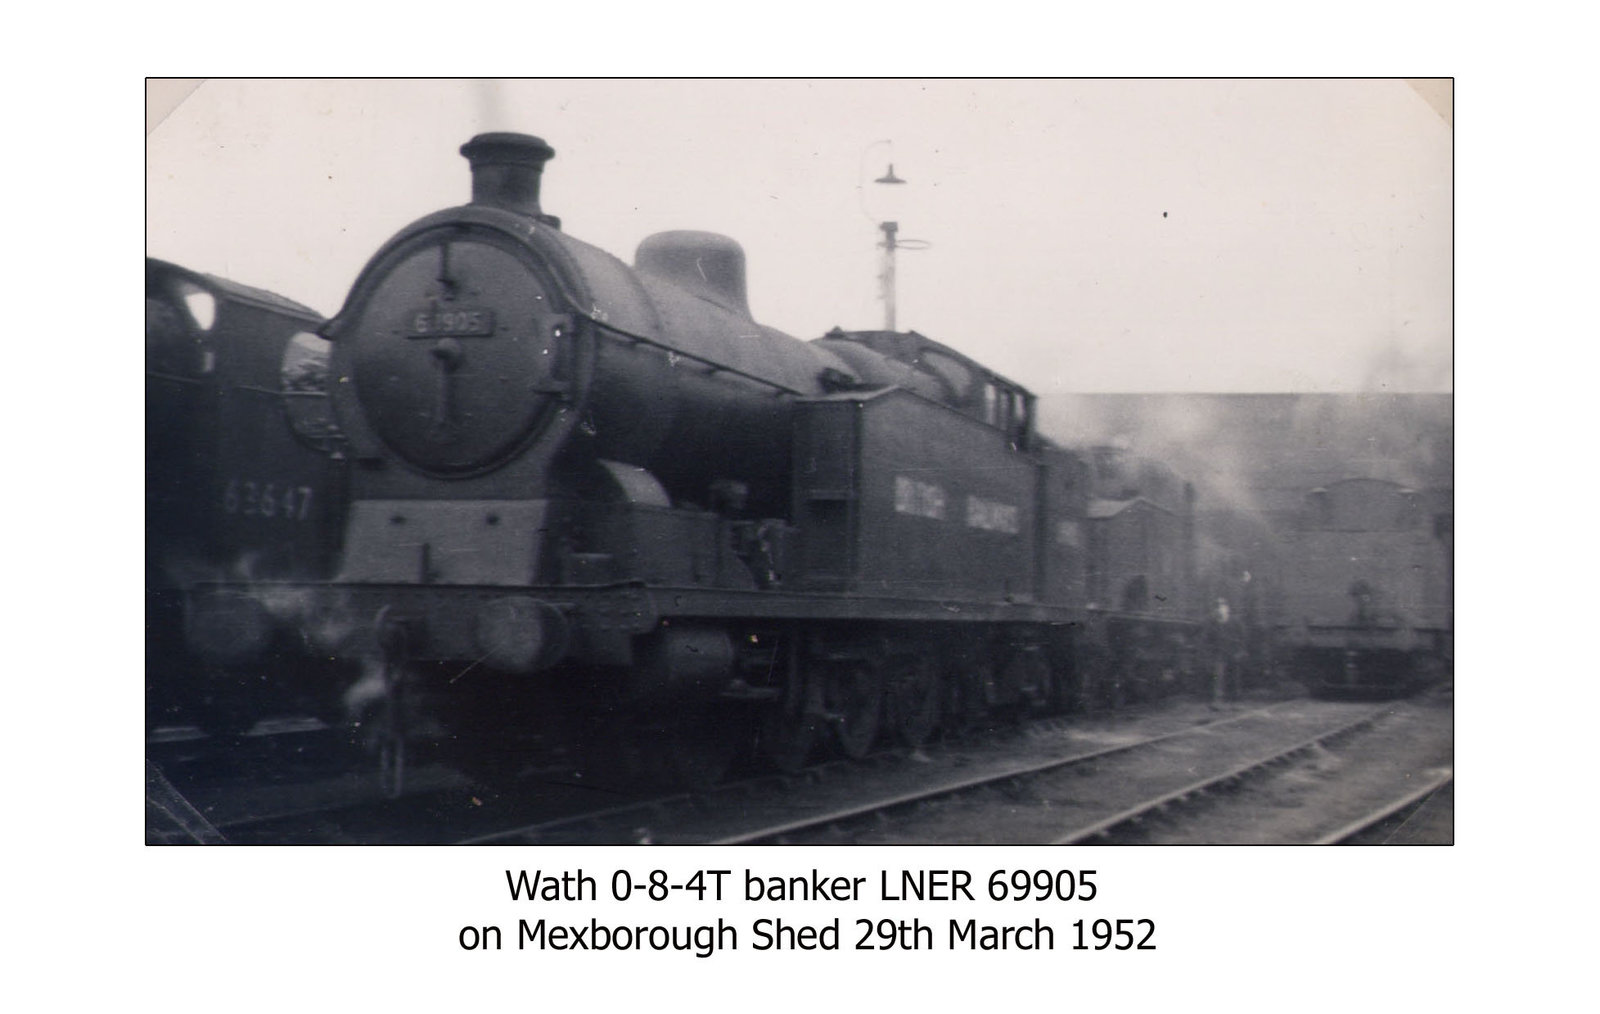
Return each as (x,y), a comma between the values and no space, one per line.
(890,231)
(889,225)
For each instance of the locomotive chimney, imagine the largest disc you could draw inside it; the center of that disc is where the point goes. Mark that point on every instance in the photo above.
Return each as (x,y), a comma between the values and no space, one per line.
(506,170)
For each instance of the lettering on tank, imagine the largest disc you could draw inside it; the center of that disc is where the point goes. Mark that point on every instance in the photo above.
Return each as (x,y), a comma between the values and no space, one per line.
(922,499)
(992,516)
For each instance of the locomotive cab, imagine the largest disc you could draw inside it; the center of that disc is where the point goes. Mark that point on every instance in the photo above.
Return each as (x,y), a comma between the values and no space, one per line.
(937,372)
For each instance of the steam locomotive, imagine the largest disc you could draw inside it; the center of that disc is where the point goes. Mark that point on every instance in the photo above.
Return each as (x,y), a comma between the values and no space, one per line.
(1368,587)
(577,497)
(243,484)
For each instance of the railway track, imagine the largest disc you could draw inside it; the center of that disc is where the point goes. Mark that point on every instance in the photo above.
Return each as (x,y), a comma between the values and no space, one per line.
(1388,782)
(1152,776)
(326,792)
(292,781)
(1388,821)
(1105,830)
(956,796)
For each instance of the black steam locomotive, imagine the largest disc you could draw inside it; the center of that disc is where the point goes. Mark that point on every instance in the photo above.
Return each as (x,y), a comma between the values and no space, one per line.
(1368,587)
(599,498)
(243,484)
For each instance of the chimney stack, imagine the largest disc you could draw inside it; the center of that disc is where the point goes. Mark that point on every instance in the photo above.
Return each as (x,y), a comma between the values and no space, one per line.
(506,170)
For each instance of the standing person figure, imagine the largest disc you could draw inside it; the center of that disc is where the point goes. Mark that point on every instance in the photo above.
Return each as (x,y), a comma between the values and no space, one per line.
(1221,648)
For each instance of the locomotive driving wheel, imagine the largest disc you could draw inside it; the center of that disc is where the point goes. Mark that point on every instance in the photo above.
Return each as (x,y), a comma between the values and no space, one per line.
(912,701)
(852,693)
(694,749)
(788,729)
(967,692)
(1028,677)
(787,737)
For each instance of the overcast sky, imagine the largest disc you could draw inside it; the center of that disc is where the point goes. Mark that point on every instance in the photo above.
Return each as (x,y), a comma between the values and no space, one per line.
(1084,235)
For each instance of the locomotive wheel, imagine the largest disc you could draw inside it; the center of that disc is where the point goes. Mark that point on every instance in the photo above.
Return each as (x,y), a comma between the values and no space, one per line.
(1066,693)
(912,701)
(691,749)
(853,697)
(787,738)
(790,729)
(1027,679)
(963,700)
(1047,690)
(1093,678)
(700,746)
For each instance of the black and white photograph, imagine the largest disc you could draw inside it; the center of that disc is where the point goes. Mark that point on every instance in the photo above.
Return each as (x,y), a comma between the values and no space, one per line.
(806,462)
